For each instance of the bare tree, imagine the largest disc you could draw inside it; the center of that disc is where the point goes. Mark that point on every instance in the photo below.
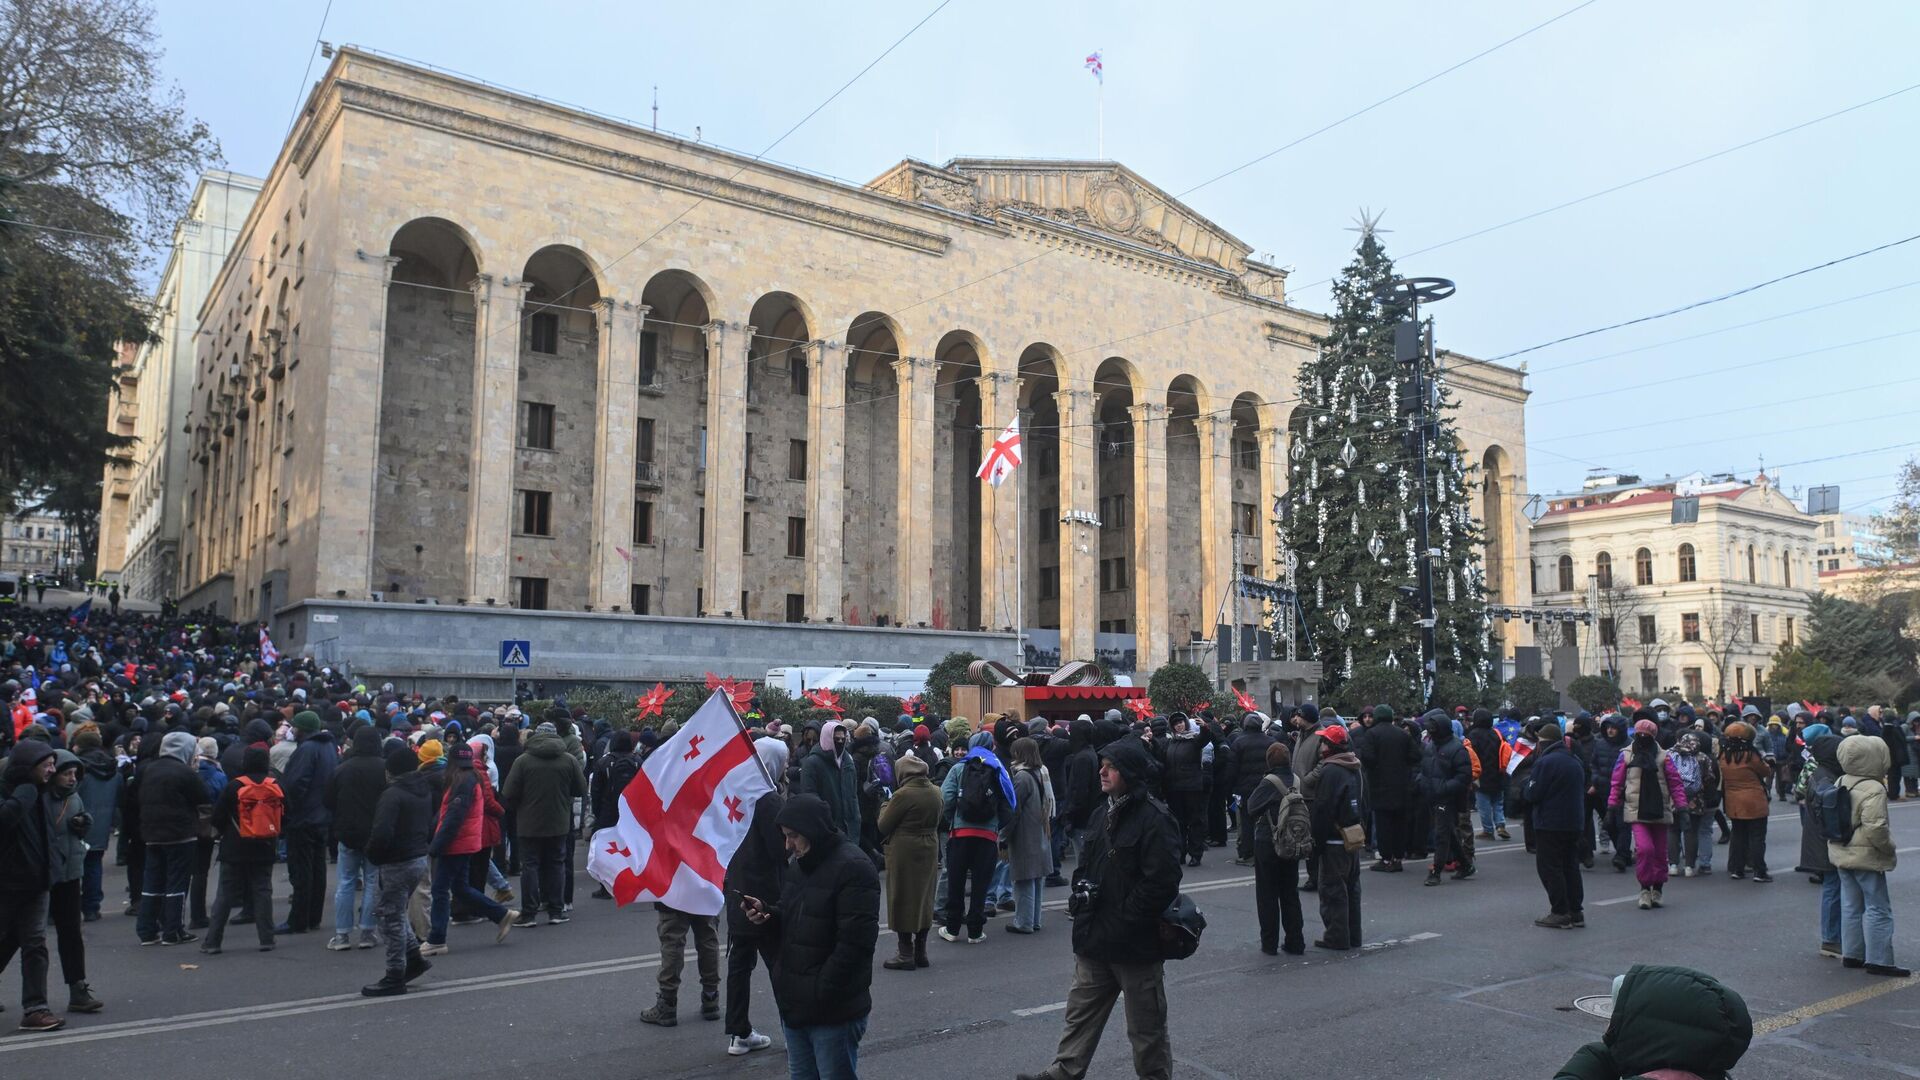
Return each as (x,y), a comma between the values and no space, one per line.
(1724,628)
(1616,611)
(1650,648)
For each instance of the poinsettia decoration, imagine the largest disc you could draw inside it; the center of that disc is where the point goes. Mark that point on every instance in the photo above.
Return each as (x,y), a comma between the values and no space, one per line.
(1245,700)
(912,705)
(1628,705)
(654,701)
(1141,707)
(825,699)
(739,692)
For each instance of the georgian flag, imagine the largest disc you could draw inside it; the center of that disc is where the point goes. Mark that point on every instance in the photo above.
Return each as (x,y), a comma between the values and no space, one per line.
(268,654)
(1002,456)
(1522,749)
(684,815)
(1097,66)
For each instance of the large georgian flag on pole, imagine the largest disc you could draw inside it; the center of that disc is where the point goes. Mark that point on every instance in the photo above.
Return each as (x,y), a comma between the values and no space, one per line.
(1002,456)
(683,815)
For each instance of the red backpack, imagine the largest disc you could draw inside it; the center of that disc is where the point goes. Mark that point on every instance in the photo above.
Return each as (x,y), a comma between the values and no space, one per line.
(261,804)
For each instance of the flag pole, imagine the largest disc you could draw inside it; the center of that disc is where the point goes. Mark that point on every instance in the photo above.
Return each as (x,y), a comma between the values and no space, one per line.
(1100,98)
(1019,576)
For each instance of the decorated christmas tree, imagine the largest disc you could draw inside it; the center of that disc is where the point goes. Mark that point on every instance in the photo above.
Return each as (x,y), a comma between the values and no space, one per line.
(1349,525)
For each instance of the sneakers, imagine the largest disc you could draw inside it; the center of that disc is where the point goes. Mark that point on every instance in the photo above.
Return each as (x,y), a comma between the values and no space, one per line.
(1830,949)
(1004,905)
(1646,899)
(528,921)
(1502,833)
(1657,897)
(1888,970)
(505,924)
(948,935)
(368,939)
(1015,928)
(1688,872)
(1737,875)
(1555,922)
(557,920)
(1577,921)
(390,985)
(468,920)
(1764,879)
(1055,881)
(417,966)
(662,1014)
(505,896)
(339,943)
(430,949)
(710,1005)
(1673,869)
(1852,962)
(1433,877)
(181,938)
(81,1000)
(41,1020)
(977,939)
(1465,872)
(740,1045)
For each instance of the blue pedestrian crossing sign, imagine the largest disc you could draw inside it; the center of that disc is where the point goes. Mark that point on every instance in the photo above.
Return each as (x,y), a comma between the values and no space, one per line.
(516,654)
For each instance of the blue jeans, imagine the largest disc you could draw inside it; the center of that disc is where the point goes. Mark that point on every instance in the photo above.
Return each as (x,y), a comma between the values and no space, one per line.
(1702,826)
(824,1051)
(1866,917)
(450,877)
(1493,810)
(1026,903)
(91,895)
(1002,885)
(1057,842)
(355,874)
(1830,908)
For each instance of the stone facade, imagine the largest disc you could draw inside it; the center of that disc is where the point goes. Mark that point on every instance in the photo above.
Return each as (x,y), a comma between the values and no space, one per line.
(143,491)
(1672,597)
(507,377)
(37,542)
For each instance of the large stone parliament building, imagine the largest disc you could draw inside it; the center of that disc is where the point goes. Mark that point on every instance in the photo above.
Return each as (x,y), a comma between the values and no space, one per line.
(475,348)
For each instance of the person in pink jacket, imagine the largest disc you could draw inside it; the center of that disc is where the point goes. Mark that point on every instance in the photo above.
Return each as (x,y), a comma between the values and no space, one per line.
(1646,791)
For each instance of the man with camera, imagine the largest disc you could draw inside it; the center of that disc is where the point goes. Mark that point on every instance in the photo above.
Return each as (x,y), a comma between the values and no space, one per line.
(1130,873)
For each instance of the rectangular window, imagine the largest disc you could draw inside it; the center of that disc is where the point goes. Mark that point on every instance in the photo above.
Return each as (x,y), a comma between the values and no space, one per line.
(1245,519)
(1246,453)
(543,332)
(1755,628)
(1607,636)
(643,521)
(1691,683)
(1649,681)
(796,539)
(1049,525)
(796,459)
(532,592)
(700,530)
(643,443)
(796,607)
(536,425)
(746,533)
(699,601)
(1648,633)
(700,449)
(743,605)
(1049,582)
(1787,634)
(1759,680)
(536,515)
(797,378)
(1740,681)
(642,599)
(649,358)
(1690,626)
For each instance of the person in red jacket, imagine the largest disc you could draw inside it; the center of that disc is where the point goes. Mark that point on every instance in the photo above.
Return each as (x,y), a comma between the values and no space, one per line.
(460,833)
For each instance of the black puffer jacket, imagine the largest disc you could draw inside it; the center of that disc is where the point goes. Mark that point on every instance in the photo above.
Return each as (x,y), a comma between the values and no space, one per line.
(402,821)
(26,828)
(757,864)
(1446,773)
(1134,858)
(171,795)
(824,931)
(1184,771)
(1083,775)
(1390,755)
(1249,759)
(354,789)
(1486,746)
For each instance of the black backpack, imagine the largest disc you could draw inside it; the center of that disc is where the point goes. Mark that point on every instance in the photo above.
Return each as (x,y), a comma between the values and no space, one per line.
(980,791)
(1835,804)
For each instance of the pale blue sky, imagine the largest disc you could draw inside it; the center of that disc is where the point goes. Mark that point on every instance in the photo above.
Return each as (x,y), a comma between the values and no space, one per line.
(1617,90)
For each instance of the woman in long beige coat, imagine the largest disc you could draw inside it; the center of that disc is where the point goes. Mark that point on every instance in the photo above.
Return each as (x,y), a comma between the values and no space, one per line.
(907,824)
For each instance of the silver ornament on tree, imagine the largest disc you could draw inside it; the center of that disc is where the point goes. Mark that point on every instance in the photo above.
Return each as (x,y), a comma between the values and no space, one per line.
(1375,545)
(1393,612)
(1360,491)
(1371,632)
(1342,620)
(1353,524)
(1348,453)
(1346,667)
(1319,594)
(1367,378)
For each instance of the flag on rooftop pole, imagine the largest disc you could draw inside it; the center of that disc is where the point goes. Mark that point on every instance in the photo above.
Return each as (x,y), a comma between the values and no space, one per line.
(1002,456)
(1098,68)
(684,815)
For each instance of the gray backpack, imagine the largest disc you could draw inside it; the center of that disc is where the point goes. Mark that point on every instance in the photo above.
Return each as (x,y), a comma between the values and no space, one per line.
(1292,828)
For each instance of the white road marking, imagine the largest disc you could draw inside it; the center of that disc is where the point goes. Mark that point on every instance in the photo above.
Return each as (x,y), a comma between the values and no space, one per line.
(1038,1009)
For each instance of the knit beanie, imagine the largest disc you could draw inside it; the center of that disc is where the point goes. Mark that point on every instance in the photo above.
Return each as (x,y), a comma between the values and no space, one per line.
(401,761)
(431,750)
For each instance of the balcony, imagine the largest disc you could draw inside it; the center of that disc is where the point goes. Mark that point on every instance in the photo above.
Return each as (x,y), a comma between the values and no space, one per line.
(646,474)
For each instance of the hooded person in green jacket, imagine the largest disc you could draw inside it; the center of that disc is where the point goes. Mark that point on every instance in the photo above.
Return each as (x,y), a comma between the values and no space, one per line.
(540,790)
(1669,1023)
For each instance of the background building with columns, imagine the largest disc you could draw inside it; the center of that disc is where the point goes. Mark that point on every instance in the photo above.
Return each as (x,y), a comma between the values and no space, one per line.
(475,348)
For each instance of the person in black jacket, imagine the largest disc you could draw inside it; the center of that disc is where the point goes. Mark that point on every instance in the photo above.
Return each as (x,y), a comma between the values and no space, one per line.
(1053,754)
(1276,881)
(1340,801)
(1446,784)
(1130,875)
(171,797)
(305,781)
(822,932)
(1248,752)
(754,871)
(351,794)
(397,848)
(1389,756)
(1490,793)
(246,863)
(26,873)
(1556,792)
(1083,784)
(1186,784)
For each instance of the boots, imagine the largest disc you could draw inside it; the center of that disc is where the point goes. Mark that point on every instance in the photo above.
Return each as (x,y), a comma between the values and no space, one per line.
(709,1004)
(81,999)
(904,960)
(392,984)
(920,950)
(663,1014)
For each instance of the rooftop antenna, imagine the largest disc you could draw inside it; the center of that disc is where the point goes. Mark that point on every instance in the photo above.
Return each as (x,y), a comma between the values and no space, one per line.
(656,109)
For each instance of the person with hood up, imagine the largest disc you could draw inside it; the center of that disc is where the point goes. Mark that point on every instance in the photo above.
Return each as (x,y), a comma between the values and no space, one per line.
(171,798)
(1188,759)
(1668,1023)
(1446,784)
(304,779)
(909,826)
(1026,837)
(206,763)
(1249,753)
(1865,858)
(1390,757)
(1340,803)
(27,842)
(755,871)
(100,783)
(979,799)
(1276,880)
(1131,873)
(1490,792)
(540,791)
(1690,841)
(822,930)
(1819,768)
(397,847)
(1083,783)
(1644,793)
(828,772)
(1746,778)
(351,794)
(69,821)
(246,862)
(1607,748)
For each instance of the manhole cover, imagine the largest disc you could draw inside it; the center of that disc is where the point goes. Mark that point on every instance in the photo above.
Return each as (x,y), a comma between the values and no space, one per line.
(1600,1005)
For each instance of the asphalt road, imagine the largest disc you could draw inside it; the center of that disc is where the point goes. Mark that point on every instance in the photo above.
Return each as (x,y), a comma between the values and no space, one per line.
(1456,982)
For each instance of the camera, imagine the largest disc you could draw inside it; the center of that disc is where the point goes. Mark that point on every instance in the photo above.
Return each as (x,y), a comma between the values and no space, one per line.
(1080,901)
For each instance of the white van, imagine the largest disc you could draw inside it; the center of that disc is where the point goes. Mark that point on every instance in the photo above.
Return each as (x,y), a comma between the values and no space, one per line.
(870,677)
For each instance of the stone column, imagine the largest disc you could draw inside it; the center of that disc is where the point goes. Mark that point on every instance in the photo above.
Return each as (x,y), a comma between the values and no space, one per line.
(496,391)
(1079,542)
(913,550)
(1216,516)
(826,480)
(1150,534)
(725,565)
(616,404)
(345,508)
(1000,561)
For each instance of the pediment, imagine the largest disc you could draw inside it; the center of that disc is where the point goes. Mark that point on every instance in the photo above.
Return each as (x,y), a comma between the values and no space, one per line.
(1099,196)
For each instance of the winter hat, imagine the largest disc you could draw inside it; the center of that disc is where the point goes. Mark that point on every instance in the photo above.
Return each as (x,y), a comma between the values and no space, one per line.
(306,720)
(1647,728)
(401,761)
(87,738)
(207,748)
(255,759)
(1382,713)
(920,733)
(462,755)
(1310,712)
(431,750)
(1739,730)
(1814,731)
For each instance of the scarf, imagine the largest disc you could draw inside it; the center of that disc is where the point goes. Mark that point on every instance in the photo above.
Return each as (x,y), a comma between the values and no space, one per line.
(1646,754)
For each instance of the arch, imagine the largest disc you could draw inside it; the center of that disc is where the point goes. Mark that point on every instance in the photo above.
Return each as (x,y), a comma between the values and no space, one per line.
(1042,374)
(1564,583)
(956,427)
(782,319)
(1116,389)
(1643,566)
(871,521)
(670,443)
(1497,518)
(422,466)
(563,276)
(1187,608)
(1603,569)
(1689,564)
